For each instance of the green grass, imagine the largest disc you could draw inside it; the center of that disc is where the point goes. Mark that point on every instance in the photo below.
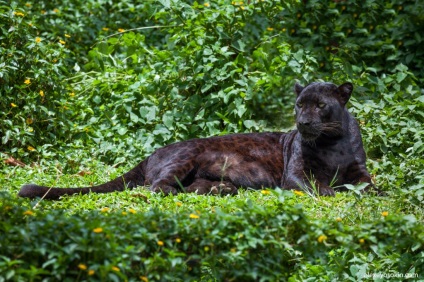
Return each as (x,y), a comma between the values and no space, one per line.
(344,205)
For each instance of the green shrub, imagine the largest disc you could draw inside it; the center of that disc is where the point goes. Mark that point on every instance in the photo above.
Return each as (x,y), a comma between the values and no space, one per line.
(390,111)
(357,35)
(254,242)
(207,88)
(34,100)
(135,75)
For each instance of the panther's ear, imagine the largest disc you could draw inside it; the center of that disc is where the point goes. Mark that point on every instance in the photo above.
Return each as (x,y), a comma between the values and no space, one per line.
(344,91)
(298,88)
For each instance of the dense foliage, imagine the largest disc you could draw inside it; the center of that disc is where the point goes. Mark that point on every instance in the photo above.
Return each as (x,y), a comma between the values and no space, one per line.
(89,82)
(274,240)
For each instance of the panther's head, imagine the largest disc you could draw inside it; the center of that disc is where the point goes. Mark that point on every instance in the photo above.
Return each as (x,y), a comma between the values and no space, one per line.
(320,108)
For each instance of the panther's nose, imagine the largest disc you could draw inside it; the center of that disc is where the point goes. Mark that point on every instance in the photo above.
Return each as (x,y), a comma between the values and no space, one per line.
(304,123)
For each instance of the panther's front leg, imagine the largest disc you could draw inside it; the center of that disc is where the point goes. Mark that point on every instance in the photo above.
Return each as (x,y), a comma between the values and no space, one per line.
(296,178)
(295,183)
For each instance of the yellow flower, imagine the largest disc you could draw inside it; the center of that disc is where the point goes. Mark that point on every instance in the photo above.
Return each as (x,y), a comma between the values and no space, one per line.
(322,238)
(98,230)
(361,241)
(13,105)
(72,94)
(29,121)
(27,81)
(144,279)
(178,240)
(82,266)
(206,249)
(37,40)
(160,243)
(121,29)
(62,42)
(19,14)
(114,268)
(133,211)
(30,148)
(385,213)
(265,192)
(298,193)
(28,213)
(124,213)
(206,4)
(194,216)
(105,29)
(91,272)
(338,219)
(67,35)
(179,204)
(269,28)
(105,209)
(41,93)
(28,5)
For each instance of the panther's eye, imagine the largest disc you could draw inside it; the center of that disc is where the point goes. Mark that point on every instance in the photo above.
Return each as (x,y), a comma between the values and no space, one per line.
(321,105)
(300,105)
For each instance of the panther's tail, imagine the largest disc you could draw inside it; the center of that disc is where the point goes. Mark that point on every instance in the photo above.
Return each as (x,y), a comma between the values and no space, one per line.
(131,179)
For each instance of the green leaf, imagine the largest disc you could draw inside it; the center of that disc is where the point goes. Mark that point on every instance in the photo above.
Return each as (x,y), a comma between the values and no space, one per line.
(168,120)
(134,117)
(400,76)
(165,3)
(103,48)
(249,124)
(148,112)
(122,130)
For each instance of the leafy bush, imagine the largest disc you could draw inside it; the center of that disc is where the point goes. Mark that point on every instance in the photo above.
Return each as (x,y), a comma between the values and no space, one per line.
(254,242)
(206,89)
(375,35)
(391,114)
(32,96)
(233,65)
